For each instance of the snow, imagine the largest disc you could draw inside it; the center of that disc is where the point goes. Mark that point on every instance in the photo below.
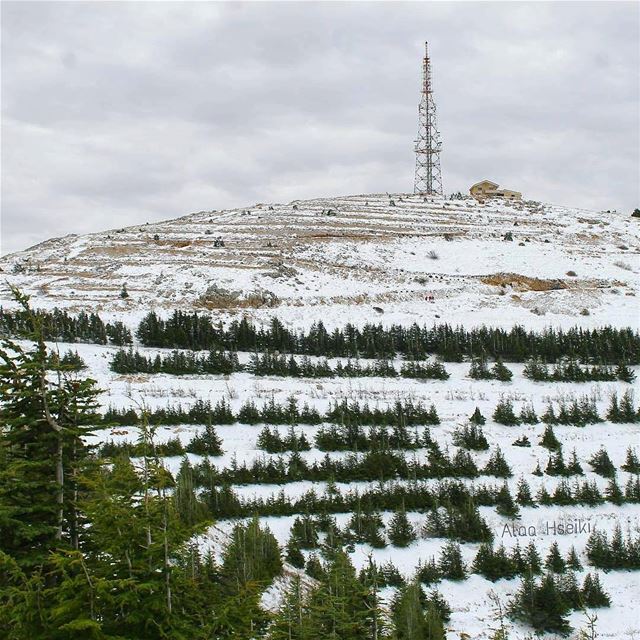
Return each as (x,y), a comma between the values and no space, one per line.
(455,400)
(336,269)
(369,254)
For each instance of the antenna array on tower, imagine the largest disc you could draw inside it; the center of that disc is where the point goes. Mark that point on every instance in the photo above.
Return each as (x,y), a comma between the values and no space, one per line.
(428,178)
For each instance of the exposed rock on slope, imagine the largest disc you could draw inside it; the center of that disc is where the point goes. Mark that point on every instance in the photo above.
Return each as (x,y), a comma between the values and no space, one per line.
(335,259)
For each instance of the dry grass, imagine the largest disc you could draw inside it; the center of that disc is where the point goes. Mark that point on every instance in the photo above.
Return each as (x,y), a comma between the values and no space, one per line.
(522,283)
(250,301)
(114,250)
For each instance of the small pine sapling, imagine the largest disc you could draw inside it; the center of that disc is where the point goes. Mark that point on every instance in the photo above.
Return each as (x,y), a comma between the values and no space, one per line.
(477,418)
(549,440)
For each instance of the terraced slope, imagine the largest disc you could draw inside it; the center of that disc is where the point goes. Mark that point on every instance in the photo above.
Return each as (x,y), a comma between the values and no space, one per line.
(402,257)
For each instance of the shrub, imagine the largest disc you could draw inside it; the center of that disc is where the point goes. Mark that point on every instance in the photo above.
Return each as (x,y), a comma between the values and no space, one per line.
(497,465)
(504,413)
(549,440)
(500,372)
(601,463)
(401,531)
(522,441)
(451,564)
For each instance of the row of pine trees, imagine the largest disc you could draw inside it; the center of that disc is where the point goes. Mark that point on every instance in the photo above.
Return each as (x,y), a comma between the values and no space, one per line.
(403,413)
(184,330)
(274,364)
(103,547)
(346,415)
(190,330)
(105,551)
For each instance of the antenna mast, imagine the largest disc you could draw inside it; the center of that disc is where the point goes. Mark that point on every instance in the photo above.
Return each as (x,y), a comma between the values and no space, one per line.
(428,178)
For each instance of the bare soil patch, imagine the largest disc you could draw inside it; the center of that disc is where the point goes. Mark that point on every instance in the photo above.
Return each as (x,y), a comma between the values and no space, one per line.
(523,283)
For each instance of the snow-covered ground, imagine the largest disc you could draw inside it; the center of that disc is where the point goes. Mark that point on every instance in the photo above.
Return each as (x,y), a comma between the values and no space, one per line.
(374,258)
(455,399)
(336,259)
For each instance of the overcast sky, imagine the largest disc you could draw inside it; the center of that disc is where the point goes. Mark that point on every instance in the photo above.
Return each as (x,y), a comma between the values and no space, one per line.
(117,113)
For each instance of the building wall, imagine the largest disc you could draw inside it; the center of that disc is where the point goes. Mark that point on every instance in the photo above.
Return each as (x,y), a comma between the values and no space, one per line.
(508,194)
(484,190)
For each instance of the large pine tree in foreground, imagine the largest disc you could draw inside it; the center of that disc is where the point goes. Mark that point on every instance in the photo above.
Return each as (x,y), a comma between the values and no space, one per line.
(44,416)
(92,549)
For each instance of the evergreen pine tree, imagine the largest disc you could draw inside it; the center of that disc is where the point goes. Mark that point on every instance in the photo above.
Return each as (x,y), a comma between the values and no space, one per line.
(390,576)
(401,532)
(42,438)
(522,441)
(504,414)
(252,555)
(477,418)
(613,492)
(631,463)
(613,413)
(523,604)
(601,463)
(543,496)
(549,440)
(500,372)
(505,504)
(377,622)
(498,465)
(523,496)
(408,614)
(451,564)
(479,370)
(528,415)
(293,554)
(554,561)
(573,561)
(434,624)
(619,551)
(628,411)
(574,468)
(632,490)
(289,622)
(593,594)
(550,608)
(339,607)
(436,599)
(314,567)
(189,508)
(549,416)
(532,558)
(624,373)
(570,589)
(428,573)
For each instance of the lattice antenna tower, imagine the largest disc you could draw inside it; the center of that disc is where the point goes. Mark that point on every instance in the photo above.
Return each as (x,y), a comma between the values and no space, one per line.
(428,178)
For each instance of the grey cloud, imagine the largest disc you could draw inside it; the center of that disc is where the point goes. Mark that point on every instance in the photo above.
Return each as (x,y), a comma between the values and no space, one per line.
(117,113)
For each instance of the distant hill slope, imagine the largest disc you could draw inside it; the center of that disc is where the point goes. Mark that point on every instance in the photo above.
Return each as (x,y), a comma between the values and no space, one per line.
(392,258)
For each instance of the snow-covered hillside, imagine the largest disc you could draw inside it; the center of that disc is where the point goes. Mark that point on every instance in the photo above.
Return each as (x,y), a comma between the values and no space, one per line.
(455,399)
(353,258)
(391,259)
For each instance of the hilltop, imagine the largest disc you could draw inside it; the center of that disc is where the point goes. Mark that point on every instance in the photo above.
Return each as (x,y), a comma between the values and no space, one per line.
(396,258)
(295,438)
